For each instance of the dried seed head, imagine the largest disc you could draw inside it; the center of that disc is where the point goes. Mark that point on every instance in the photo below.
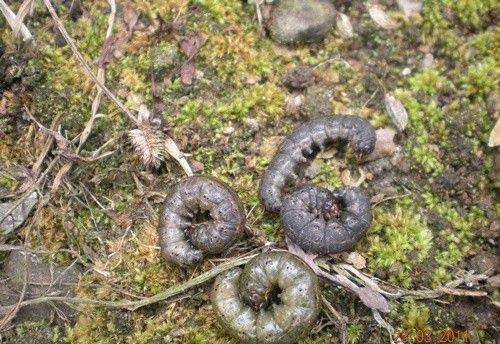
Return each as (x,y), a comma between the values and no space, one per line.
(148,140)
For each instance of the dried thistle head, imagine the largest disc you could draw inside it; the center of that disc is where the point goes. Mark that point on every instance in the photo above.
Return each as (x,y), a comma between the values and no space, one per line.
(148,139)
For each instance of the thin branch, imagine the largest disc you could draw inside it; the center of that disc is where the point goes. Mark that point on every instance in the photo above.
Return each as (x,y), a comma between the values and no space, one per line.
(23,11)
(378,318)
(101,75)
(133,305)
(10,16)
(341,319)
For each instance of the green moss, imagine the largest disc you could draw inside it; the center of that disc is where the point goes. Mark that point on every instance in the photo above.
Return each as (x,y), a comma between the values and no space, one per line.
(354,331)
(486,44)
(271,229)
(482,78)
(415,316)
(471,13)
(240,80)
(428,81)
(428,126)
(196,336)
(398,235)
(457,235)
(329,173)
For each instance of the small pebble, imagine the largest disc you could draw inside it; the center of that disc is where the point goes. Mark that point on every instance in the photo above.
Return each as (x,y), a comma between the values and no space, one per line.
(299,21)
(356,260)
(427,61)
(298,78)
(252,124)
(228,130)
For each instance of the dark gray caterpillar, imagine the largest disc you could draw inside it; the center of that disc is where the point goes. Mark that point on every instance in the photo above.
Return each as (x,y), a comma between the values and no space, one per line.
(323,221)
(201,215)
(302,146)
(274,299)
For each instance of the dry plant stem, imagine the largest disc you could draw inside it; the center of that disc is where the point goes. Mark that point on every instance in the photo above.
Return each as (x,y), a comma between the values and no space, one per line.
(349,271)
(101,75)
(10,16)
(378,318)
(95,106)
(133,305)
(343,269)
(48,144)
(23,11)
(259,17)
(342,320)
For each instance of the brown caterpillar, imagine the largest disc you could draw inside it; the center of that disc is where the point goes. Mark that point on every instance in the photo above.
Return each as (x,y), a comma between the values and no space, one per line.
(201,215)
(323,221)
(274,299)
(304,144)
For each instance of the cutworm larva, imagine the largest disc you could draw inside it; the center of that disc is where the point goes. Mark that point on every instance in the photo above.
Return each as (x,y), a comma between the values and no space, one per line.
(303,145)
(274,299)
(201,216)
(323,221)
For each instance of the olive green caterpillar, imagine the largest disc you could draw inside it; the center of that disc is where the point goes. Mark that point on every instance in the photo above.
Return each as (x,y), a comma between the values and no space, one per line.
(274,299)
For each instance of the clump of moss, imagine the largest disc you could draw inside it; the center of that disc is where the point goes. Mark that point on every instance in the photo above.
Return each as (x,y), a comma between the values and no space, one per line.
(426,121)
(165,58)
(481,78)
(398,236)
(354,331)
(428,81)
(329,173)
(416,316)
(471,13)
(457,235)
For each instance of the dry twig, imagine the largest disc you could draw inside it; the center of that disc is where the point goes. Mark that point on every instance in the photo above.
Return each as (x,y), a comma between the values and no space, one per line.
(133,305)
(340,319)
(10,16)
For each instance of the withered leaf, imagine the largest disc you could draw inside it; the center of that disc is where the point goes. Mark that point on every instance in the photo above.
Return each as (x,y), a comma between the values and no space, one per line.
(60,175)
(190,46)
(130,18)
(117,41)
(374,300)
(396,111)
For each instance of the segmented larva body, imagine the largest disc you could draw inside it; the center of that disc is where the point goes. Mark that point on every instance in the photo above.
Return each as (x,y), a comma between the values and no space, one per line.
(274,299)
(201,216)
(323,221)
(303,145)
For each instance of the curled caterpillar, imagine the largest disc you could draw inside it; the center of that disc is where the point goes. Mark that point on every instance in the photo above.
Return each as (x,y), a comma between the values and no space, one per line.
(323,221)
(274,299)
(304,144)
(201,215)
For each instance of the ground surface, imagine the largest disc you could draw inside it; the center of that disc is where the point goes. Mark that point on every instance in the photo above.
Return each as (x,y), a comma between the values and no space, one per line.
(438,218)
